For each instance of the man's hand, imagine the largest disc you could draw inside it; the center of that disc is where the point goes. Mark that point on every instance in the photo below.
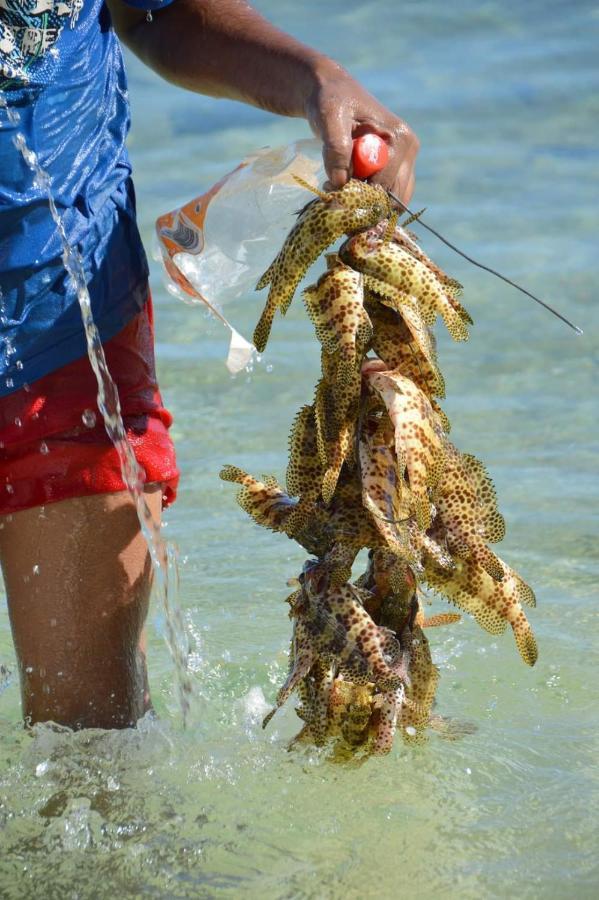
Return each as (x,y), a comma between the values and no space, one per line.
(225,48)
(338,110)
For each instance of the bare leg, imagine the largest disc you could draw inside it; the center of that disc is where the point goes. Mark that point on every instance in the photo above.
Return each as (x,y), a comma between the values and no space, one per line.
(78,579)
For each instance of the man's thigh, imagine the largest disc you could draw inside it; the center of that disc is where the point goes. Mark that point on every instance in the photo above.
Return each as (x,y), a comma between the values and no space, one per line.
(78,578)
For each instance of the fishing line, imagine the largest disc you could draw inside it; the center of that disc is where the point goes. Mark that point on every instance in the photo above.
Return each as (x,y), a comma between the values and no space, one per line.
(480,265)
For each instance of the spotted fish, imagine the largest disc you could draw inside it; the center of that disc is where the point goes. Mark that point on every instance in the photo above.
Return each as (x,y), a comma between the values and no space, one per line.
(493,604)
(467,513)
(265,501)
(333,626)
(356,205)
(314,692)
(414,714)
(382,492)
(396,270)
(305,470)
(336,306)
(388,707)
(419,443)
(452,288)
(335,439)
(394,343)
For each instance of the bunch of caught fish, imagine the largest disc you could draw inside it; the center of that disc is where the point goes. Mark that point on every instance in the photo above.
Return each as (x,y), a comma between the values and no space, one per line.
(371,466)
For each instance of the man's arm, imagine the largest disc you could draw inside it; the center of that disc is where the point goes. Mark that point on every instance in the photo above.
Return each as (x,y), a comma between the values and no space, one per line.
(225,48)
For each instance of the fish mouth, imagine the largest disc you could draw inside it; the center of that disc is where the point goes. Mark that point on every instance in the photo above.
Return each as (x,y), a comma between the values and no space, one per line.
(315,577)
(368,239)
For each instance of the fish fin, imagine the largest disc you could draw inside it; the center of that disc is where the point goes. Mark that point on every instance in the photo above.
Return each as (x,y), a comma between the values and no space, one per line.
(493,521)
(487,559)
(461,311)
(323,196)
(234,473)
(525,592)
(441,415)
(382,289)
(440,619)
(461,588)
(390,229)
(298,671)
(266,278)
(413,217)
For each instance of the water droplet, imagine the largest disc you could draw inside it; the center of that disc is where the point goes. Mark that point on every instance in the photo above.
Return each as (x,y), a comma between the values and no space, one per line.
(9,383)
(88,418)
(468,771)
(10,489)
(44,448)
(36,569)
(29,669)
(19,365)
(18,422)
(269,368)
(42,767)
(410,730)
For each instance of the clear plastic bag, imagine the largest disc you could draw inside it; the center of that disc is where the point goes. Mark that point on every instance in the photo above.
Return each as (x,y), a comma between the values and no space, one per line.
(215,247)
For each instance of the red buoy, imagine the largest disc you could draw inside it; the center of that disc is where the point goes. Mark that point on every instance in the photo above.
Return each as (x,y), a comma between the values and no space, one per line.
(370,154)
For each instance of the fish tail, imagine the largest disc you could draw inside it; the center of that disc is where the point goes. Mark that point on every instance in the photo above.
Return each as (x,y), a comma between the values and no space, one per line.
(269,716)
(262,330)
(525,639)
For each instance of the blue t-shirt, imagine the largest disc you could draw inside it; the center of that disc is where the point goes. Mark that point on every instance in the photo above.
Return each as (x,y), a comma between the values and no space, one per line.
(61,71)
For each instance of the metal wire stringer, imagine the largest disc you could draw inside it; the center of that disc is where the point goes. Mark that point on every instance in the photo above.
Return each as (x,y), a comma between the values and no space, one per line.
(480,265)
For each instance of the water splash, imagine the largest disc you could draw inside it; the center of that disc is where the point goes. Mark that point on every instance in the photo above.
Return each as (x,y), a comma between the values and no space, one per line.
(163,556)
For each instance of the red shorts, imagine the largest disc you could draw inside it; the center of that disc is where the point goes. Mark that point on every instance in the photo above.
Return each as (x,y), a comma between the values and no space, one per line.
(53,444)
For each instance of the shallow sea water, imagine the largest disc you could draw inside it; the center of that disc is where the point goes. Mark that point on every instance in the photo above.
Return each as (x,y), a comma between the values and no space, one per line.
(504,98)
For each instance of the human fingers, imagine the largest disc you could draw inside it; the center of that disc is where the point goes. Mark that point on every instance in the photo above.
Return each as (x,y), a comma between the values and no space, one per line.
(336,135)
(339,110)
(399,173)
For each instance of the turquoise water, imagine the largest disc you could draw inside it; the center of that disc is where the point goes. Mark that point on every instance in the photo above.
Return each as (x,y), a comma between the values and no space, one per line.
(504,98)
